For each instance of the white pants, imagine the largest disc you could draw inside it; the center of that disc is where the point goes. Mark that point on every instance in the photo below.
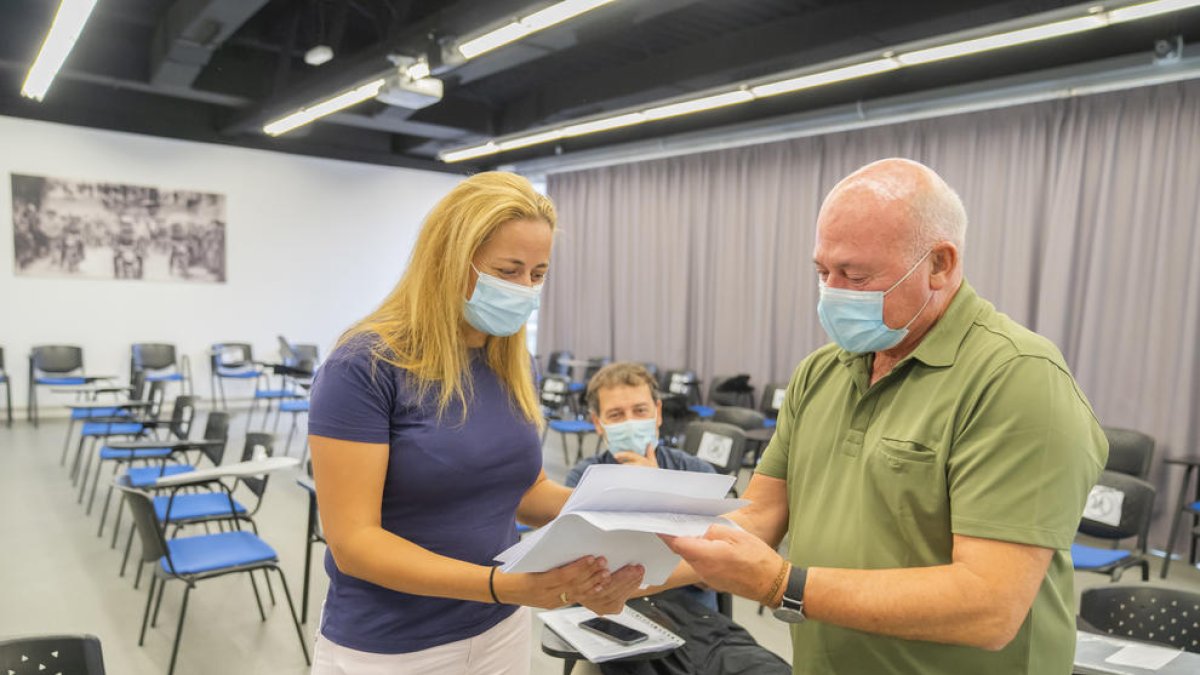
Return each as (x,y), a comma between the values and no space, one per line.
(503,649)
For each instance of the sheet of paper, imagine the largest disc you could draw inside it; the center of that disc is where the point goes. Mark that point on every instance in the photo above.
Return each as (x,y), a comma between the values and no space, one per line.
(572,537)
(634,499)
(674,524)
(1149,657)
(1104,505)
(589,495)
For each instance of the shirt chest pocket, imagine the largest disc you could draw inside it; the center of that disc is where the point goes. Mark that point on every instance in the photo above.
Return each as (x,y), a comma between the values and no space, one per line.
(907,477)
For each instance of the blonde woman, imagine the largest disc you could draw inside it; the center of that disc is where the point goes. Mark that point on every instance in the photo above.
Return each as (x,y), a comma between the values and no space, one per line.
(426,451)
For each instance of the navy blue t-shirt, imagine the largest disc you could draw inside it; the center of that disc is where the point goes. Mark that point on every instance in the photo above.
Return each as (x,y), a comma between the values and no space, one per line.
(452,487)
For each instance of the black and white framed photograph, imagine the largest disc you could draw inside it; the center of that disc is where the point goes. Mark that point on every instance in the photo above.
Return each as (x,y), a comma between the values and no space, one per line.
(97,230)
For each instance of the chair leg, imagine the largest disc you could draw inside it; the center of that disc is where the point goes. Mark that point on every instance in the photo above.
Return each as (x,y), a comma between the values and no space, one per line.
(295,621)
(95,483)
(257,597)
(157,603)
(179,631)
(1187,479)
(146,613)
(308,554)
(116,519)
(87,469)
(67,440)
(74,473)
(270,587)
(287,447)
(125,560)
(104,513)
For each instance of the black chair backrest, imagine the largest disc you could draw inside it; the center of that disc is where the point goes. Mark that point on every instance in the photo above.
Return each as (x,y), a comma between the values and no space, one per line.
(152,355)
(150,532)
(259,445)
(683,382)
(1167,616)
(717,443)
(137,385)
(57,358)
(307,357)
(731,390)
(556,364)
(742,418)
(554,391)
(231,355)
(49,654)
(1,359)
(156,395)
(216,428)
(772,399)
(1129,452)
(1137,505)
(594,364)
(182,416)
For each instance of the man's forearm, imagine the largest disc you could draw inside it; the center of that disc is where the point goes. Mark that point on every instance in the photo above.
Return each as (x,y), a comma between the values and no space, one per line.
(946,603)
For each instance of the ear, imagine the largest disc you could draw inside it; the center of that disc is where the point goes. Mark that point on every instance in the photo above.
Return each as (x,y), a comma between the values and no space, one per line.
(944,259)
(658,414)
(596,423)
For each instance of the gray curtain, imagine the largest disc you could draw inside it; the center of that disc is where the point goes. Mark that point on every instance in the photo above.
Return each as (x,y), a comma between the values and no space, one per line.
(1083,226)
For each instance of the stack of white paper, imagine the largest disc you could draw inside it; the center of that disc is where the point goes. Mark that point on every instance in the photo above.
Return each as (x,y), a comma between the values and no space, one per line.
(598,649)
(618,511)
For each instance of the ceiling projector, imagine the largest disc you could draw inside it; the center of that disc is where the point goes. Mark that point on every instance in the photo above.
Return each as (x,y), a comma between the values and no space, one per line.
(402,91)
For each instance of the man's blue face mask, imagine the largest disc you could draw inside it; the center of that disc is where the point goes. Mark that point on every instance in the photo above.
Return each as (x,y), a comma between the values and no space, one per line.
(854,319)
(498,307)
(631,435)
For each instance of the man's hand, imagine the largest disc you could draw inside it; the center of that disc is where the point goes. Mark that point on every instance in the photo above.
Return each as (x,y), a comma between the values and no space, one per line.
(730,560)
(649,459)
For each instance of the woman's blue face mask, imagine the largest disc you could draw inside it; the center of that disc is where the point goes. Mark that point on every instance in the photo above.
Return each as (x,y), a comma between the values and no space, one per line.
(854,319)
(498,307)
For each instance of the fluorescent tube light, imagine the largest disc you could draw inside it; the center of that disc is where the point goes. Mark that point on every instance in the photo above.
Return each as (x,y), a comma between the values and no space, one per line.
(559,12)
(531,139)
(331,105)
(493,40)
(999,40)
(461,154)
(826,77)
(523,27)
(604,124)
(1146,9)
(60,39)
(699,104)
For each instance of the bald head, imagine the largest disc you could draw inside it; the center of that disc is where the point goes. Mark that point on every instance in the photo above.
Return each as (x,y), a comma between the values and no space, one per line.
(906,201)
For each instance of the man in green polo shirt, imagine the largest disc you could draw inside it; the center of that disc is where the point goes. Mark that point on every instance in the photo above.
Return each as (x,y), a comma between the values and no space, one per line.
(930,466)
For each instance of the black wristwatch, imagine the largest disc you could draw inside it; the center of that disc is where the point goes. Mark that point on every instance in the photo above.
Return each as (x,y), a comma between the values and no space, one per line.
(791,607)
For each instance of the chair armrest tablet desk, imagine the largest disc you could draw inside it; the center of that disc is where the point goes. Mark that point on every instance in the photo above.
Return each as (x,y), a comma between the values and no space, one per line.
(1091,650)
(555,646)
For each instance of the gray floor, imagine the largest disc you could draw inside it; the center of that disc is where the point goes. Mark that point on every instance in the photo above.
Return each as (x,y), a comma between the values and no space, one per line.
(57,576)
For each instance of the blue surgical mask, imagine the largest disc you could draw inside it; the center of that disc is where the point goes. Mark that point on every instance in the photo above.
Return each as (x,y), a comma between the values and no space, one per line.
(631,435)
(854,319)
(498,307)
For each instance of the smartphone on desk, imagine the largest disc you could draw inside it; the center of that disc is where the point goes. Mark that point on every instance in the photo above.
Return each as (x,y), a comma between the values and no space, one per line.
(614,631)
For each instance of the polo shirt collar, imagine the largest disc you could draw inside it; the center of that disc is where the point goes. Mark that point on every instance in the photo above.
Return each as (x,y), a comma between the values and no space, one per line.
(940,345)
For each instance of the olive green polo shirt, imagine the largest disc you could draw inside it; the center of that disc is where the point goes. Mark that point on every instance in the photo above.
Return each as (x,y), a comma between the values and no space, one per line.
(982,432)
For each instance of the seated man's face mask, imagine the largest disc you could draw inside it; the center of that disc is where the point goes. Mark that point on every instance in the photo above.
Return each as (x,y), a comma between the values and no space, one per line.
(854,319)
(631,435)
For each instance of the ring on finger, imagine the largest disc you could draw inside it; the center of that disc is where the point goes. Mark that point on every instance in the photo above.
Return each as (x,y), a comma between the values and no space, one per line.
(563,596)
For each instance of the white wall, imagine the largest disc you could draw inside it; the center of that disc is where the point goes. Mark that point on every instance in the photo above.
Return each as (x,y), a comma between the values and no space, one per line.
(312,244)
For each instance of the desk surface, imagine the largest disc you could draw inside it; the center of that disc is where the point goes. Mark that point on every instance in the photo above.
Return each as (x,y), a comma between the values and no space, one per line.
(1091,650)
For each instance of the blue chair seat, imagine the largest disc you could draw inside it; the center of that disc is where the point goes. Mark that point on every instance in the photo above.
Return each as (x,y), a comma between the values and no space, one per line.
(576,387)
(297,406)
(703,411)
(274,393)
(201,505)
(768,423)
(572,426)
(144,476)
(194,555)
(88,413)
(111,429)
(61,380)
(141,453)
(238,374)
(1090,558)
(164,377)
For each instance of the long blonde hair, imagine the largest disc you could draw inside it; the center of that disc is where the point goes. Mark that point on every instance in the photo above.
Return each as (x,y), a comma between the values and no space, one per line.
(419,325)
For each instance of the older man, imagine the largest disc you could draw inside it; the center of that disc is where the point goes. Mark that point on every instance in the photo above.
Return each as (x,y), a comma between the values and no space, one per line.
(930,466)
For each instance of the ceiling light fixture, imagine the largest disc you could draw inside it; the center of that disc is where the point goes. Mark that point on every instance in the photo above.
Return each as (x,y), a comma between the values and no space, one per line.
(330,105)
(1097,17)
(319,55)
(523,27)
(60,39)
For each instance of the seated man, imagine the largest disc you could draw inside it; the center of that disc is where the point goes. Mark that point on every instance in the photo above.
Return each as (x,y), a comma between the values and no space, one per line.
(627,412)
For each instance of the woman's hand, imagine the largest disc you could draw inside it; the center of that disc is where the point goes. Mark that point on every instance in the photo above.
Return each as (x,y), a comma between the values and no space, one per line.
(586,581)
